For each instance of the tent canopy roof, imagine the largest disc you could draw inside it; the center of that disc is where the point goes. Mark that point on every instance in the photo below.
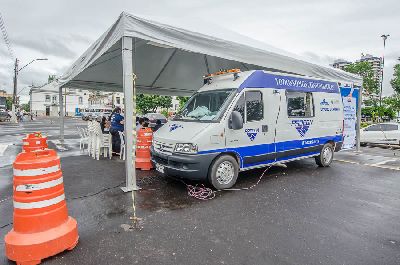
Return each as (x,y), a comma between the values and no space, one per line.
(171,61)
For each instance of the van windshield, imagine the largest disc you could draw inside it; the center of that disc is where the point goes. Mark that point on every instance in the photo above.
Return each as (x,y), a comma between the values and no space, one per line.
(207,105)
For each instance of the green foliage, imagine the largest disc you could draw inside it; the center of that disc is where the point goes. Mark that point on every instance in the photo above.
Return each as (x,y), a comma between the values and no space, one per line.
(51,78)
(182,101)
(393,102)
(364,124)
(364,69)
(26,107)
(375,111)
(9,103)
(395,82)
(164,112)
(150,103)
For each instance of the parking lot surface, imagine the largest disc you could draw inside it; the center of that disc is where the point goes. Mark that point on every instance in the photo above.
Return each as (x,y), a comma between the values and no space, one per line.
(345,214)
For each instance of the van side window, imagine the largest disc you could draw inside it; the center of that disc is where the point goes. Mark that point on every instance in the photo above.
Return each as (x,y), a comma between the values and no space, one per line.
(254,106)
(240,106)
(300,104)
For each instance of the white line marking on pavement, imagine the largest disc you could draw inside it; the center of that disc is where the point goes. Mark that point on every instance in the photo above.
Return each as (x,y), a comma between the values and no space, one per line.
(370,165)
(3,148)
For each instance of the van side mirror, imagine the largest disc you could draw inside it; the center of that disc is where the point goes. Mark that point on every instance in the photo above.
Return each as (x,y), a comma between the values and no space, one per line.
(235,121)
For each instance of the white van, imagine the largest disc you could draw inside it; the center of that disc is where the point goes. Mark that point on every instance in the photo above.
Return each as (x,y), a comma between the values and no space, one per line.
(244,120)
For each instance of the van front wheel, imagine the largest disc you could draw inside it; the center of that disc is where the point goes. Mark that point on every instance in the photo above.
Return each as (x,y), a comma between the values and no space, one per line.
(324,159)
(223,172)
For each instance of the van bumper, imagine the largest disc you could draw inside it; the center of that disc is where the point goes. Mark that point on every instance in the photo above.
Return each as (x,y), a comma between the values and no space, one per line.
(193,167)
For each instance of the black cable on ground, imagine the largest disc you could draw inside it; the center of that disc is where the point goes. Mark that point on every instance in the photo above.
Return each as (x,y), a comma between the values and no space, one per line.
(95,193)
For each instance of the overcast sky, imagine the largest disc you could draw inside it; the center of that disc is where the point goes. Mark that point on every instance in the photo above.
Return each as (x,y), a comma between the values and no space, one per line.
(320,30)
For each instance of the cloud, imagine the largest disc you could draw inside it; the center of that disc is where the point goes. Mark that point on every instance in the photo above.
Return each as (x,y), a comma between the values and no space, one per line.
(53,45)
(321,31)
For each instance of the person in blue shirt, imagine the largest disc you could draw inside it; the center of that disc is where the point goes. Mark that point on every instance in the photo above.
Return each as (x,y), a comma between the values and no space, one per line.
(117,125)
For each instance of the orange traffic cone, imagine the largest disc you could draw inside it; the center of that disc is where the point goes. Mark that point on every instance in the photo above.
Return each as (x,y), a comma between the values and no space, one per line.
(42,227)
(34,141)
(143,157)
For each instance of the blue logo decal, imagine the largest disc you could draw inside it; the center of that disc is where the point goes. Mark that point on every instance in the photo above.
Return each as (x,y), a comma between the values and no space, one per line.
(174,126)
(324,102)
(302,126)
(252,133)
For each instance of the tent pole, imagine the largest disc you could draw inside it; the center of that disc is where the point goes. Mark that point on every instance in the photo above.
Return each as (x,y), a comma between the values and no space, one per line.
(130,126)
(61,103)
(358,124)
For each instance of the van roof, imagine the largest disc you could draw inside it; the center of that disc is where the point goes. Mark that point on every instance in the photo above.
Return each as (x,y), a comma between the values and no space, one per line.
(273,80)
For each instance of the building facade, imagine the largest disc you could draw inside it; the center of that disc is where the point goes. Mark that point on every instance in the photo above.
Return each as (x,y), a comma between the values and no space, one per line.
(44,101)
(375,62)
(340,64)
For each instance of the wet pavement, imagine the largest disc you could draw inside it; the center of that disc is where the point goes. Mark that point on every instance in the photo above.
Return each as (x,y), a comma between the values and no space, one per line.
(346,214)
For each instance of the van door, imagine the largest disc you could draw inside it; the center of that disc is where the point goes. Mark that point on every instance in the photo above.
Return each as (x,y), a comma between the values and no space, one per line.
(254,142)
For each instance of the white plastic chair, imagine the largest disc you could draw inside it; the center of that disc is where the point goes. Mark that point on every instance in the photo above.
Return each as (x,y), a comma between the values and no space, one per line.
(91,139)
(122,150)
(103,142)
(84,139)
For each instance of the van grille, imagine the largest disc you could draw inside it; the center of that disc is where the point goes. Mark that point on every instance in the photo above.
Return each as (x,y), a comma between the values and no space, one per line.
(163,148)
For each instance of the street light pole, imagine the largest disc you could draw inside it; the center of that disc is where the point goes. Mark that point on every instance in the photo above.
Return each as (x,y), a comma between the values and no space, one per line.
(16,72)
(384,37)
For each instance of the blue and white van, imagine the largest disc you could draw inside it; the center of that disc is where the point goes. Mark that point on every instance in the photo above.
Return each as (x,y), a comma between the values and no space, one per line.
(244,120)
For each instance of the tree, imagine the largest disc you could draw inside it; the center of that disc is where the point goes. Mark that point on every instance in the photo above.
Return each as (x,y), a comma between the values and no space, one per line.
(150,103)
(364,69)
(393,102)
(51,78)
(9,103)
(26,107)
(182,101)
(395,82)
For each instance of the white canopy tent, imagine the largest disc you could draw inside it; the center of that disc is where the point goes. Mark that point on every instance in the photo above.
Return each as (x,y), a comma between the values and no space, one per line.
(169,60)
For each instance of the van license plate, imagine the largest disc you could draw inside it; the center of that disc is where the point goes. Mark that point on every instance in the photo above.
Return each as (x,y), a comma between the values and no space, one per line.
(160,168)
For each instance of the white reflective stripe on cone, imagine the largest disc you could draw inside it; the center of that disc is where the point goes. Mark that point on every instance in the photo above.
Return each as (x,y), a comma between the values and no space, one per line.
(36,171)
(39,186)
(39,204)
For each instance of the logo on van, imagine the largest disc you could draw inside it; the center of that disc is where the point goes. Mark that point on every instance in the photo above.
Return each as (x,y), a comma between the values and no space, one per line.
(302,126)
(324,102)
(174,126)
(252,133)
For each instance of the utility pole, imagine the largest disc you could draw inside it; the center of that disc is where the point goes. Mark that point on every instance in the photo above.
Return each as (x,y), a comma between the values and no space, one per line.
(15,93)
(384,37)
(14,101)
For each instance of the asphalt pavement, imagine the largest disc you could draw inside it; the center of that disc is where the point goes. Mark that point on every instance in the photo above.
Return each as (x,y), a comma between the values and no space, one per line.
(345,214)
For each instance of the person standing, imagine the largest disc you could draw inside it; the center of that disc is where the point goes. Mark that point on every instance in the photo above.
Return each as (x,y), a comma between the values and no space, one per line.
(117,125)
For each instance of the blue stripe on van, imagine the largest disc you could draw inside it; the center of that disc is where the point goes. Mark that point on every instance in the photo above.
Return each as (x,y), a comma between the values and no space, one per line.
(260,79)
(265,149)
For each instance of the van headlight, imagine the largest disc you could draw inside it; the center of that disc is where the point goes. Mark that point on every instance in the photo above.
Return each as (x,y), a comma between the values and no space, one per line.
(185,148)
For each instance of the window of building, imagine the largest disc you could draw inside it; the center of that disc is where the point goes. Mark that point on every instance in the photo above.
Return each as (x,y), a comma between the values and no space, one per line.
(80,100)
(54,99)
(250,106)
(300,104)
(47,98)
(118,100)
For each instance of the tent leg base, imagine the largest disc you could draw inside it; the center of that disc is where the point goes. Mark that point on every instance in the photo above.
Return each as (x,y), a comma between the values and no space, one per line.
(128,189)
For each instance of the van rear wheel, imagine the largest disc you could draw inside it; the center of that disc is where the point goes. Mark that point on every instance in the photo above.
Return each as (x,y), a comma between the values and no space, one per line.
(223,172)
(324,159)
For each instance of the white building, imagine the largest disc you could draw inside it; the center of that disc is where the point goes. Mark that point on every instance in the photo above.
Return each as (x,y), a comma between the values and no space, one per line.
(376,64)
(44,100)
(341,64)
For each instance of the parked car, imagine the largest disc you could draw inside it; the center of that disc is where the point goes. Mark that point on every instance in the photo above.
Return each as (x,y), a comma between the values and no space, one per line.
(3,115)
(153,117)
(382,133)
